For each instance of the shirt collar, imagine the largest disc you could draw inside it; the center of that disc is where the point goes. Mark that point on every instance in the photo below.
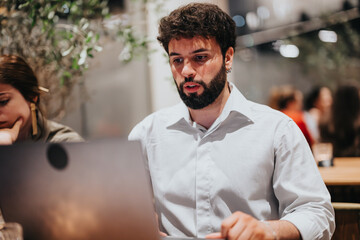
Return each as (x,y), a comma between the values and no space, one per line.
(179,113)
(236,103)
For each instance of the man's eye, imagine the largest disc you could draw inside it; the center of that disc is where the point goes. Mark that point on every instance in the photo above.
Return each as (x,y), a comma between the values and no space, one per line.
(177,60)
(4,102)
(200,58)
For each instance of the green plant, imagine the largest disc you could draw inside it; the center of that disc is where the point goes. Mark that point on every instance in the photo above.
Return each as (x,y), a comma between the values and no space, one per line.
(57,38)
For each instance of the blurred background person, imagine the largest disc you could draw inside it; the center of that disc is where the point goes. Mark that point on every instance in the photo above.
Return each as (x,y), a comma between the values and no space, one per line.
(289,100)
(342,126)
(20,116)
(317,105)
(274,96)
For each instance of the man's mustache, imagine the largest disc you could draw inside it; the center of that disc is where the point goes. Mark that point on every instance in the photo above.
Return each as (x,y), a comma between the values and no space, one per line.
(190,79)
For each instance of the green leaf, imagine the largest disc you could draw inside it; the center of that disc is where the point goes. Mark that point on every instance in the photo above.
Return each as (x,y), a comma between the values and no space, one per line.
(88,39)
(75,65)
(21,6)
(67,74)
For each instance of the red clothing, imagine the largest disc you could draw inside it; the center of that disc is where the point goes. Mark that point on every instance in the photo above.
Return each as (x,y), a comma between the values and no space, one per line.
(298,118)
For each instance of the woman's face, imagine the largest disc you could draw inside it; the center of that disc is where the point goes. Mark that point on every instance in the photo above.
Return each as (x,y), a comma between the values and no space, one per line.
(325,100)
(13,107)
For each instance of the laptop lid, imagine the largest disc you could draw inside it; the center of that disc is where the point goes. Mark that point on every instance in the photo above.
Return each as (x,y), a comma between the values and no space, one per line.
(93,190)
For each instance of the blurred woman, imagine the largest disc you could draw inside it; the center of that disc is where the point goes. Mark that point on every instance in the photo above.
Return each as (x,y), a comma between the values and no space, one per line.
(20,115)
(317,105)
(342,127)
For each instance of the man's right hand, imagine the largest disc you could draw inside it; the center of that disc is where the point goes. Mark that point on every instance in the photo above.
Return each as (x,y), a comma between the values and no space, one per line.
(9,135)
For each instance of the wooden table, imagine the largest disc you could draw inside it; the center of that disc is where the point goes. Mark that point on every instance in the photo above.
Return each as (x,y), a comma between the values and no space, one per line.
(343,183)
(345,172)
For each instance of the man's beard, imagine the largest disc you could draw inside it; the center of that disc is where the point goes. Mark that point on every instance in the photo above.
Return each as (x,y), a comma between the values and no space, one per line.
(210,93)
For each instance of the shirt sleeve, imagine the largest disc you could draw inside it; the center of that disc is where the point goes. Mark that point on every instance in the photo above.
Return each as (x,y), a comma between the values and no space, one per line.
(303,197)
(139,133)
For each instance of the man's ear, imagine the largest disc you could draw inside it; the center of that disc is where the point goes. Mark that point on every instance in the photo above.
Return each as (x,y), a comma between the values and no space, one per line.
(229,56)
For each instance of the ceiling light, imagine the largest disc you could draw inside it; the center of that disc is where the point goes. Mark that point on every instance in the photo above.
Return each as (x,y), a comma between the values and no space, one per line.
(328,36)
(289,51)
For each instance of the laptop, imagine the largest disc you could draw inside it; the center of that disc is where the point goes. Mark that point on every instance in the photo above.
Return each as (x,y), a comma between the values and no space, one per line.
(93,190)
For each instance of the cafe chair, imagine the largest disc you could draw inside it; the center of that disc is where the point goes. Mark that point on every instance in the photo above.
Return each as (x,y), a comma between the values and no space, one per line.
(347,219)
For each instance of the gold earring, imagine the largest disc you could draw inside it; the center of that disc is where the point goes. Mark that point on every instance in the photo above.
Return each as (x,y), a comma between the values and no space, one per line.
(33,119)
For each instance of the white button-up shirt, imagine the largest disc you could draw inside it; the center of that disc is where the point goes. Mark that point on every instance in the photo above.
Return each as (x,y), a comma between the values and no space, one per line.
(252,159)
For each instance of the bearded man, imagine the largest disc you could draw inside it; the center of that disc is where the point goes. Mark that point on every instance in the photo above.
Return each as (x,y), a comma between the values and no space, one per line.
(222,166)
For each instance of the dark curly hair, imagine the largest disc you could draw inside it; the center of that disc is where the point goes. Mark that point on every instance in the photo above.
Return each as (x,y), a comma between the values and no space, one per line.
(198,19)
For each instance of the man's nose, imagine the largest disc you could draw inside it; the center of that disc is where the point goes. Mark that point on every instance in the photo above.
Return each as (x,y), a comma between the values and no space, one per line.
(187,70)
